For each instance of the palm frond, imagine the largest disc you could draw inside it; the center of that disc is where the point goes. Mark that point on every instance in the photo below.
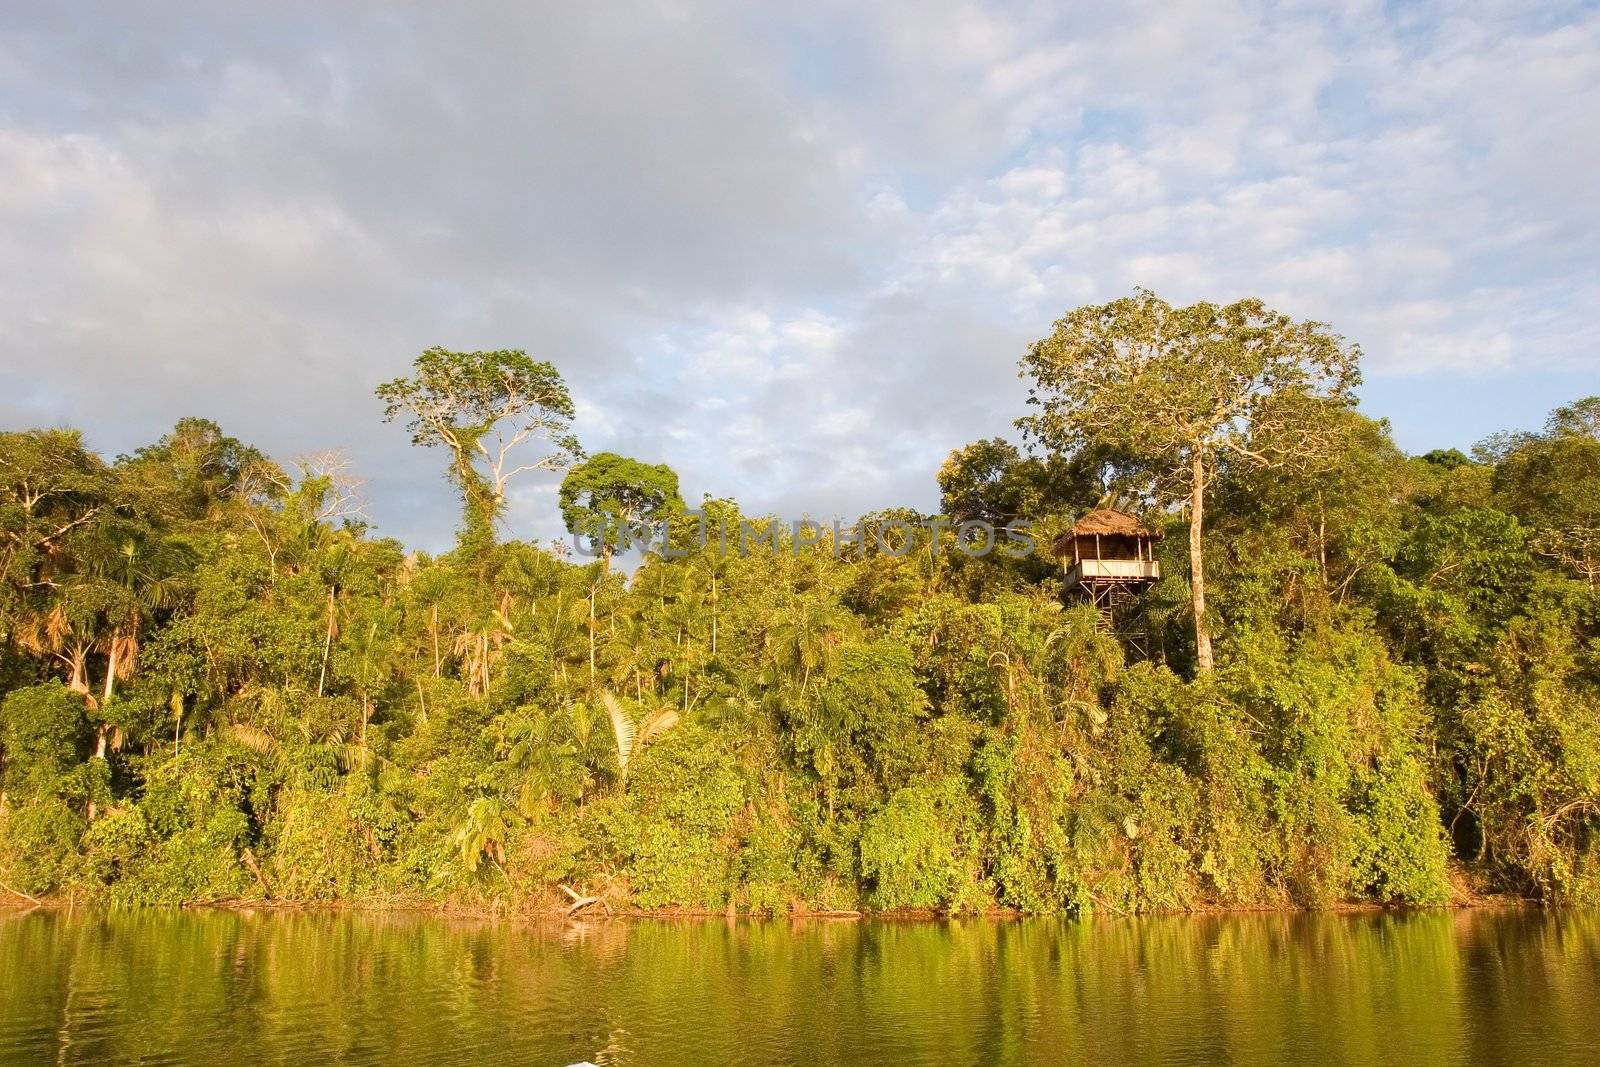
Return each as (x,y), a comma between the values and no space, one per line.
(622,729)
(656,724)
(252,737)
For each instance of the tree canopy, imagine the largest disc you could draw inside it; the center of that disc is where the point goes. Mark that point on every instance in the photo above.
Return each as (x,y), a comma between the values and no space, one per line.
(1184,390)
(483,407)
(608,499)
(218,682)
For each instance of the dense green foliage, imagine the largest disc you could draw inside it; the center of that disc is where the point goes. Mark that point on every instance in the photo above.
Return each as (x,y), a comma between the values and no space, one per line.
(217,684)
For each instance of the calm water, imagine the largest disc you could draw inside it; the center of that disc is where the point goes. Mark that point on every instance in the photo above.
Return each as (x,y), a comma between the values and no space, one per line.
(1435,988)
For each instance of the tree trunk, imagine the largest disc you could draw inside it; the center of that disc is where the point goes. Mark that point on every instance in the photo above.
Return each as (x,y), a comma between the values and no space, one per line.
(111,664)
(1322,539)
(327,645)
(433,628)
(77,659)
(101,730)
(1197,567)
(592,589)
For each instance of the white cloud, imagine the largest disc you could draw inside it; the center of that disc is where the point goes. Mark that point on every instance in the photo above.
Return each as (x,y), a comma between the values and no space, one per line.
(794,253)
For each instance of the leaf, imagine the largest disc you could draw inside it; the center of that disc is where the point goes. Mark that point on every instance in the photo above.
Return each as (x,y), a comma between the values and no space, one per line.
(622,729)
(253,738)
(657,724)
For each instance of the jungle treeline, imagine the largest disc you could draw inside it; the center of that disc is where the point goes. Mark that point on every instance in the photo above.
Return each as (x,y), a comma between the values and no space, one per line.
(220,684)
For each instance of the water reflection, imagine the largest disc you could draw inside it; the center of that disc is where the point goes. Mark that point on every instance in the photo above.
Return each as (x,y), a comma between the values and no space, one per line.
(1427,988)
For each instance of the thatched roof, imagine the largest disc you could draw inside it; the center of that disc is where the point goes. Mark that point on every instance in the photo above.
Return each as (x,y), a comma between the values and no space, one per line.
(1105,521)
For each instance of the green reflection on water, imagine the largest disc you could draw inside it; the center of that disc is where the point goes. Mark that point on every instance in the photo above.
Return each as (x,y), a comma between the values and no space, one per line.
(1426,988)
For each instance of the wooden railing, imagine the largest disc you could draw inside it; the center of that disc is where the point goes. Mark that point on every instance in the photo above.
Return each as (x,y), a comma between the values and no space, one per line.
(1114,570)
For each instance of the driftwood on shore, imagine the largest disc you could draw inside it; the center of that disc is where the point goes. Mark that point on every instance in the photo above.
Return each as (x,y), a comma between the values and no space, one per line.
(19,893)
(580,901)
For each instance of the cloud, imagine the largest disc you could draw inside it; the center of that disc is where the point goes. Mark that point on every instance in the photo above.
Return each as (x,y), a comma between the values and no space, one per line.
(794,252)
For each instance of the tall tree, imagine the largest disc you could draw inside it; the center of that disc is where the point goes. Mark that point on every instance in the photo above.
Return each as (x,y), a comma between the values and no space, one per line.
(483,406)
(992,481)
(1185,389)
(195,469)
(608,497)
(57,500)
(1551,481)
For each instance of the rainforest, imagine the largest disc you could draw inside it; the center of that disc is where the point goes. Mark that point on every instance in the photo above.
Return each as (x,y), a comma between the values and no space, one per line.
(1363,678)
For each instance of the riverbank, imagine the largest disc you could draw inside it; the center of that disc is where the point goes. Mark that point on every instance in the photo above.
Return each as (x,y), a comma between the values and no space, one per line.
(468,910)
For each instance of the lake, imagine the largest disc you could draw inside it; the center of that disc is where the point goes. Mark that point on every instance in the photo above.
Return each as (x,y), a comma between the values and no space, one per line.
(207,987)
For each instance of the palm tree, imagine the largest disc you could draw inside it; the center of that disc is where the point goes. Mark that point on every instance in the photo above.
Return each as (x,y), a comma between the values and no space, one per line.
(62,628)
(372,654)
(683,613)
(631,736)
(801,643)
(712,567)
(631,654)
(148,572)
(484,833)
(560,626)
(480,646)
(541,749)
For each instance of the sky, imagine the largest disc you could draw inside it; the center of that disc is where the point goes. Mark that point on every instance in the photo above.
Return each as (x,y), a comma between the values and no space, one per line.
(795,251)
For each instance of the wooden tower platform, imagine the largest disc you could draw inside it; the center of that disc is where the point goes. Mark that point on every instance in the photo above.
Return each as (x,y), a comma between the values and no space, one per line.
(1108,559)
